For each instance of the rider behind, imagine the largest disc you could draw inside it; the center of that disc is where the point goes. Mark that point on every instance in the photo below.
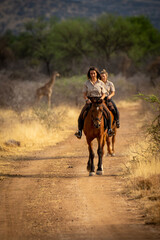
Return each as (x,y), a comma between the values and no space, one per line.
(110,92)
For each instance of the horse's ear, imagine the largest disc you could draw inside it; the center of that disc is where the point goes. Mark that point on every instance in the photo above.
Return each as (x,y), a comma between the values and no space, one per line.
(93,100)
(96,100)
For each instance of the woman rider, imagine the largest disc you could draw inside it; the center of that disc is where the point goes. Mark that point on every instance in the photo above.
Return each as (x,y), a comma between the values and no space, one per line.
(93,87)
(110,92)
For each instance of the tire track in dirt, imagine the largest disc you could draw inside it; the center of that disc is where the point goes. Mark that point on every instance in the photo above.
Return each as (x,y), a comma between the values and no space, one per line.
(51,196)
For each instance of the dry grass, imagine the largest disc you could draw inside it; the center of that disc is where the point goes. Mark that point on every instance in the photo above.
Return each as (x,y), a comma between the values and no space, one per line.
(143,171)
(34,128)
(129,103)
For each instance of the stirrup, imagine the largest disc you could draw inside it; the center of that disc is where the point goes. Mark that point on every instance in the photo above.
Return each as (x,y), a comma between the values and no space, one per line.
(117,124)
(78,134)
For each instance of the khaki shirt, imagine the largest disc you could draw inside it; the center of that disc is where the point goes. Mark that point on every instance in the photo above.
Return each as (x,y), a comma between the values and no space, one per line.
(94,90)
(109,86)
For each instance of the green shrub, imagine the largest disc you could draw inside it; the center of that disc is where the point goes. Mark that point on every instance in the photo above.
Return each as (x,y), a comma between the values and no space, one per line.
(154,127)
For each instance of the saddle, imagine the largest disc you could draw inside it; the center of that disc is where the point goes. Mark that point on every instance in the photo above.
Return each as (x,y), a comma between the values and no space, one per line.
(86,110)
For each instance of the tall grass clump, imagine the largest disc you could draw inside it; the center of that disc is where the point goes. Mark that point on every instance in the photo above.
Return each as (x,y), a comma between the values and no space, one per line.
(34,128)
(143,167)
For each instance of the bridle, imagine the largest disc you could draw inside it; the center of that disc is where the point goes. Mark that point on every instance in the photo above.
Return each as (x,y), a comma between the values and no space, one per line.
(97,121)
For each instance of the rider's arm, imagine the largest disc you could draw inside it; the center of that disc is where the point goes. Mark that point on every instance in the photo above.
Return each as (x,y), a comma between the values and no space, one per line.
(103,96)
(111,95)
(112,90)
(86,98)
(85,95)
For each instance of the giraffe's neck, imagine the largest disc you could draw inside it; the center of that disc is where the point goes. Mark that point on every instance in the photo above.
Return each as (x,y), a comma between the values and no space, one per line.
(51,82)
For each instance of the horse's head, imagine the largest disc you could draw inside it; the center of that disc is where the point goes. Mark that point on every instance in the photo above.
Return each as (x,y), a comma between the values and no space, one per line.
(97,112)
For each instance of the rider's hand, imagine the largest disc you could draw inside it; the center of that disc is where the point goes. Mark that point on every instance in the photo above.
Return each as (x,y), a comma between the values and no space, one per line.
(88,101)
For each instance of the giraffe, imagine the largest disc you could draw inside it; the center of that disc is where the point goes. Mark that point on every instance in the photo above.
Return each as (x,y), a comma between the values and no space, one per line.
(46,90)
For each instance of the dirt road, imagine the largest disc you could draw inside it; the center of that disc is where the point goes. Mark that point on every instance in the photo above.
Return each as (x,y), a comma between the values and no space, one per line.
(49,194)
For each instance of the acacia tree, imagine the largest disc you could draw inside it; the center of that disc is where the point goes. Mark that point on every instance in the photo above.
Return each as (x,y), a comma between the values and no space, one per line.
(145,38)
(71,42)
(6,53)
(42,47)
(36,42)
(111,34)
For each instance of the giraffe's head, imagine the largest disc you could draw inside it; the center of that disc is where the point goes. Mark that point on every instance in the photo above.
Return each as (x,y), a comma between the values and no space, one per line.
(55,74)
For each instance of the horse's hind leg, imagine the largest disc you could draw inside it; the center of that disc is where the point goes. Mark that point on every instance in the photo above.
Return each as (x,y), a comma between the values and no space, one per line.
(89,164)
(113,144)
(109,145)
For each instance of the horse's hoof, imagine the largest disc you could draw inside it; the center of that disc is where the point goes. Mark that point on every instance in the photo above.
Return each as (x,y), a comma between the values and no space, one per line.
(113,155)
(92,174)
(100,172)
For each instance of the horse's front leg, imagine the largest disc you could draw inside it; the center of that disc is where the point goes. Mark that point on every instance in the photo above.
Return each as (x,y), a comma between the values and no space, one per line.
(100,151)
(90,164)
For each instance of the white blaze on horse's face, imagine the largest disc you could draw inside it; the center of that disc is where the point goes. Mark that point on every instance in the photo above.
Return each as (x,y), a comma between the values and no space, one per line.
(97,113)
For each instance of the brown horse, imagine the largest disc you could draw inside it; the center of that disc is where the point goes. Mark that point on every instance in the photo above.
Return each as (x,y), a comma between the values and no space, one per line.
(94,128)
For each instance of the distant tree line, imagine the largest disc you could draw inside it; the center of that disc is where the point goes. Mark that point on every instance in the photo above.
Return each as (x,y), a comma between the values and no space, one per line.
(72,44)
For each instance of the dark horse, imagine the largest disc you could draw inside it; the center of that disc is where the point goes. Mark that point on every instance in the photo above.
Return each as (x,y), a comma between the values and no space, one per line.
(94,128)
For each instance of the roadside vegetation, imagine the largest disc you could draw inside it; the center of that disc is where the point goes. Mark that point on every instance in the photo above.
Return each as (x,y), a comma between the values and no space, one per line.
(34,129)
(143,168)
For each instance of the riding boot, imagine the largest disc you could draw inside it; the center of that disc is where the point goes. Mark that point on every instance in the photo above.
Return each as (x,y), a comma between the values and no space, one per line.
(78,134)
(113,108)
(114,114)
(81,118)
(117,123)
(116,117)
(108,120)
(110,132)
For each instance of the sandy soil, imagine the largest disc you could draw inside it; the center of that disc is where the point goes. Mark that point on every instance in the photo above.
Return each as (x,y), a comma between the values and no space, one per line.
(49,195)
